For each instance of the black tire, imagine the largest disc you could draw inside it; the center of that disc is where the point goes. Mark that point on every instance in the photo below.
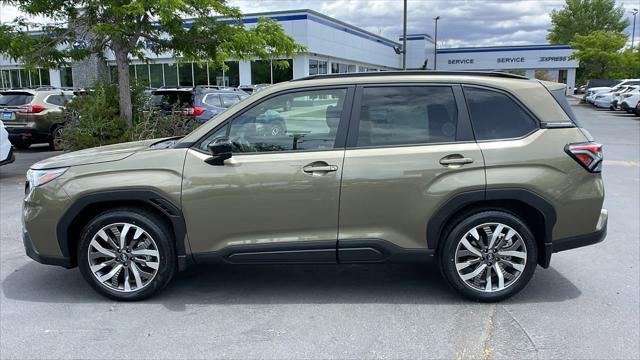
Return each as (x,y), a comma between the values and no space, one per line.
(55,139)
(455,234)
(155,226)
(22,145)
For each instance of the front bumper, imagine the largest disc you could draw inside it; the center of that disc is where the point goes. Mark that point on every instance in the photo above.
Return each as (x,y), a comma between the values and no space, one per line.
(10,157)
(47,260)
(602,103)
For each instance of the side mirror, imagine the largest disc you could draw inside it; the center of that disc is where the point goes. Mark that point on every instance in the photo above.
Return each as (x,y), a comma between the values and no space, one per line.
(221,150)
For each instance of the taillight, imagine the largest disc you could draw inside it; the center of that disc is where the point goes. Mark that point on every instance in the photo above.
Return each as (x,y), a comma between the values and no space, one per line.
(31,109)
(197,111)
(589,155)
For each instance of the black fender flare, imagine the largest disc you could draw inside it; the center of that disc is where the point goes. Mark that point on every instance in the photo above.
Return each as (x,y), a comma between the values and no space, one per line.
(152,198)
(446,211)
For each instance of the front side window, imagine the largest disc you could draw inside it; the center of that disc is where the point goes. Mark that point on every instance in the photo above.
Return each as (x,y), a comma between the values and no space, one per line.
(407,115)
(495,115)
(305,120)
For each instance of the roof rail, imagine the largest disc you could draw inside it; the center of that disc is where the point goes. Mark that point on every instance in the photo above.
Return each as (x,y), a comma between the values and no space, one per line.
(413,72)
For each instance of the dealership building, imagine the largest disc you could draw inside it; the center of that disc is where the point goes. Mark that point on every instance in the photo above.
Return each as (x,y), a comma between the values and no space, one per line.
(332,47)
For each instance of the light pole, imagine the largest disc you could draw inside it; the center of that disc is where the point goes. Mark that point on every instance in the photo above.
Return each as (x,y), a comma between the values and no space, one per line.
(633,30)
(435,50)
(404,38)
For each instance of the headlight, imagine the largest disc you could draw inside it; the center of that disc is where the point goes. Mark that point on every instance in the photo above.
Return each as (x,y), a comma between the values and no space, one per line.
(41,177)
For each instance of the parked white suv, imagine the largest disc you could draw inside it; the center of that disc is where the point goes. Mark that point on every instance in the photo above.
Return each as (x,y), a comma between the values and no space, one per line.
(592,93)
(630,100)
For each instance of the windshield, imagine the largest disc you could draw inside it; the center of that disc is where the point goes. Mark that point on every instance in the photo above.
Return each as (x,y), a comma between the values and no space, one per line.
(15,99)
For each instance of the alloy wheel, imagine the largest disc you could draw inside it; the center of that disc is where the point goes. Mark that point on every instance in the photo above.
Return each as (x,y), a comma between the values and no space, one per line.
(490,257)
(57,139)
(123,257)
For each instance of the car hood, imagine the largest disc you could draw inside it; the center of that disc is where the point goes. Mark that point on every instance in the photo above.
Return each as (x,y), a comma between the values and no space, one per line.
(95,155)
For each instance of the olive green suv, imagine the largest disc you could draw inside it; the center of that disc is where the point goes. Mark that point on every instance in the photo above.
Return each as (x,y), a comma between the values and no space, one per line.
(34,116)
(488,174)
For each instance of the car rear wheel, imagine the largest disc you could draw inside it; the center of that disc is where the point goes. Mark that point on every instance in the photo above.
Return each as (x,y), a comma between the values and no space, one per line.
(55,142)
(127,254)
(489,256)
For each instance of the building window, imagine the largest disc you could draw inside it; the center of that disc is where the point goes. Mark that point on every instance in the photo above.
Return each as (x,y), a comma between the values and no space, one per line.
(261,72)
(339,68)
(113,74)
(66,77)
(4,79)
(44,77)
(185,73)
(142,74)
(156,80)
(170,75)
(200,74)
(317,67)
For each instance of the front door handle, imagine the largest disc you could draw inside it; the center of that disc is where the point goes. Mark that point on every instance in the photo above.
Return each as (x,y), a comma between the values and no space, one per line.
(319,168)
(455,160)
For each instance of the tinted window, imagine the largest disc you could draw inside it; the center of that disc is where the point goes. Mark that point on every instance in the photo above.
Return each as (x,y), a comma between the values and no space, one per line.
(229,99)
(495,115)
(218,134)
(213,100)
(564,104)
(167,100)
(306,120)
(15,99)
(407,115)
(55,100)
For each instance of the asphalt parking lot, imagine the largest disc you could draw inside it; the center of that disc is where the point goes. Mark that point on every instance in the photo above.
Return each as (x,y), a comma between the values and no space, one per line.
(586,305)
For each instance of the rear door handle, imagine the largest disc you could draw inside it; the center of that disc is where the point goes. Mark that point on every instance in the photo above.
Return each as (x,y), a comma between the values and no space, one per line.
(319,168)
(455,159)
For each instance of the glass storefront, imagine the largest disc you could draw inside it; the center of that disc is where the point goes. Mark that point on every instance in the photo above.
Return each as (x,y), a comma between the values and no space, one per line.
(170,75)
(185,74)
(261,72)
(337,68)
(317,67)
(17,78)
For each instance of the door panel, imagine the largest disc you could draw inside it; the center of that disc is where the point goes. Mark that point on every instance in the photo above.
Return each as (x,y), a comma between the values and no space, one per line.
(260,199)
(277,197)
(410,149)
(390,193)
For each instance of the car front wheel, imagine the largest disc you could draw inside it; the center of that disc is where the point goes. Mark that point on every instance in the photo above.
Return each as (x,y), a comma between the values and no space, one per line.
(489,256)
(127,254)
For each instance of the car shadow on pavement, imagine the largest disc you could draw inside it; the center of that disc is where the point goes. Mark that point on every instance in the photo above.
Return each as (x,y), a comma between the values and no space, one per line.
(291,284)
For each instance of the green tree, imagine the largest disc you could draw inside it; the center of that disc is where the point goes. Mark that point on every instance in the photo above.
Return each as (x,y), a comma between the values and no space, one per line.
(599,54)
(581,17)
(128,28)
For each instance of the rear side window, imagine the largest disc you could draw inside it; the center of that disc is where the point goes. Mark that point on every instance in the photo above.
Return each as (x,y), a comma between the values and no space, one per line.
(495,115)
(564,104)
(55,100)
(407,115)
(229,99)
(212,100)
(15,99)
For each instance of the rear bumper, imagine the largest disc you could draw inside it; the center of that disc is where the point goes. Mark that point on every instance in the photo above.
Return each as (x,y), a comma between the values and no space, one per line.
(585,239)
(576,241)
(27,134)
(47,260)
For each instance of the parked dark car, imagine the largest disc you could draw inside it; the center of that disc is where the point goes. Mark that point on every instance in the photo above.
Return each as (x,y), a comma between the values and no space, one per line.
(202,102)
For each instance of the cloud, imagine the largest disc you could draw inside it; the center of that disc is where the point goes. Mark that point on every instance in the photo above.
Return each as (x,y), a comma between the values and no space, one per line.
(462,22)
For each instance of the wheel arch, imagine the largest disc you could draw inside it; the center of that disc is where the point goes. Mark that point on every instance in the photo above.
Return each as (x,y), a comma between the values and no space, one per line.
(532,208)
(88,206)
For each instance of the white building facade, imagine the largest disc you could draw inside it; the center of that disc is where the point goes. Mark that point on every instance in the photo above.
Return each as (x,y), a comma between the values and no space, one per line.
(332,47)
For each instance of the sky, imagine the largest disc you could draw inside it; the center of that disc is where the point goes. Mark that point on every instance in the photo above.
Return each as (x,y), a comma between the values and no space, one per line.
(462,22)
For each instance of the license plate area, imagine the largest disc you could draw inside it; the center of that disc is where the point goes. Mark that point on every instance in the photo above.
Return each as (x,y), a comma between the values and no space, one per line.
(7,115)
